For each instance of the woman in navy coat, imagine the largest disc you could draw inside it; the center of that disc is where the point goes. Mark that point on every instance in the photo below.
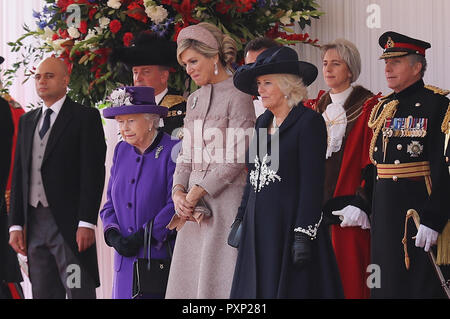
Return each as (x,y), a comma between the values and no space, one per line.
(140,185)
(285,250)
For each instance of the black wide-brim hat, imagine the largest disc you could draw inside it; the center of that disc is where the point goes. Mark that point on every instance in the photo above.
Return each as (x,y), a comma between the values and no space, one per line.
(1,59)
(396,45)
(147,49)
(276,60)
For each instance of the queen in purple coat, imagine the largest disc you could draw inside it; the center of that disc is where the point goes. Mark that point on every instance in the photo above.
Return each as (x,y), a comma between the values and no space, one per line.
(140,184)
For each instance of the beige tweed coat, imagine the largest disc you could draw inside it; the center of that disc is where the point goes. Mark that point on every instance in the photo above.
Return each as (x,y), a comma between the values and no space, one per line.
(203,263)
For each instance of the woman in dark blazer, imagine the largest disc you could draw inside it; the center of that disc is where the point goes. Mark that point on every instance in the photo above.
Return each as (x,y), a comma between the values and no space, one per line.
(284,251)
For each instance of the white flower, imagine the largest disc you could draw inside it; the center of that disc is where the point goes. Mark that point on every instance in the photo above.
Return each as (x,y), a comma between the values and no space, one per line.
(120,97)
(156,13)
(91,34)
(104,22)
(286,19)
(56,45)
(296,16)
(73,32)
(47,35)
(115,4)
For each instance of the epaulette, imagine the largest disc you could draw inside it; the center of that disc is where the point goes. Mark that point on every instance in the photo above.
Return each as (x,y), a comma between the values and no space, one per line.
(171,100)
(437,90)
(445,127)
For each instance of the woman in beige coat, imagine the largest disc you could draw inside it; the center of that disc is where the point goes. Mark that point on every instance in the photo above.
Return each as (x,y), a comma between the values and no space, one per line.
(210,171)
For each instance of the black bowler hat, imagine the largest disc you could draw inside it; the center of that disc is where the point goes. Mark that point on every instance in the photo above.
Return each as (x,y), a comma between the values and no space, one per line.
(396,44)
(147,49)
(276,60)
(1,59)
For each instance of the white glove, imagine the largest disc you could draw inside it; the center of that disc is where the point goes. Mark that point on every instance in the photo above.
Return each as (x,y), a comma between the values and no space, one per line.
(426,237)
(352,216)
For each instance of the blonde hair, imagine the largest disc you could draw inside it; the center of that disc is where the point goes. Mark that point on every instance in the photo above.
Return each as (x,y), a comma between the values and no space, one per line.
(349,53)
(292,87)
(227,46)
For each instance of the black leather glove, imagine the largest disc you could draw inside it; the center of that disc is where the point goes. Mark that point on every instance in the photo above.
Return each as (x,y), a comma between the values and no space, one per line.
(125,246)
(301,249)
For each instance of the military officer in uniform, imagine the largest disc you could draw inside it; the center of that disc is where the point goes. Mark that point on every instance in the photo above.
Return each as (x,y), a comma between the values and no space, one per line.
(150,58)
(407,149)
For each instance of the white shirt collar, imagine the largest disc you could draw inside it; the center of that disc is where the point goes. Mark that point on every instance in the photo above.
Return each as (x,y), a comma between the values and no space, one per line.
(342,96)
(55,107)
(160,96)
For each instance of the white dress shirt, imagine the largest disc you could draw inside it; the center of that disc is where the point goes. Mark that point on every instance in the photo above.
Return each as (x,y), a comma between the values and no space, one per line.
(158,99)
(55,107)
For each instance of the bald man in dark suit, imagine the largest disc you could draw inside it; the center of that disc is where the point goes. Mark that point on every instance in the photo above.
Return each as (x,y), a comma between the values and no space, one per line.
(57,186)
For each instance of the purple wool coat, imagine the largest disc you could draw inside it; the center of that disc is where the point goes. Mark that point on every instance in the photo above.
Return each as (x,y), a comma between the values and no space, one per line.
(139,189)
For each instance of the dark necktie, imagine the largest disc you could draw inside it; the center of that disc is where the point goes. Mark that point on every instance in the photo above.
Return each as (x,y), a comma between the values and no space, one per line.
(46,124)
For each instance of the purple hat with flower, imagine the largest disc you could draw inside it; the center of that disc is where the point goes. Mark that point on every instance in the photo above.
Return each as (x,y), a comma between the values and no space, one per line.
(133,100)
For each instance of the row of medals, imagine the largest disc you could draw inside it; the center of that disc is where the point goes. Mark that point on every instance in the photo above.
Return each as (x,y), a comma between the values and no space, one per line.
(405,127)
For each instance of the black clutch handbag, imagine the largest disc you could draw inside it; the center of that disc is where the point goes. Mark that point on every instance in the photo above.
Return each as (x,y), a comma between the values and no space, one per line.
(150,275)
(235,234)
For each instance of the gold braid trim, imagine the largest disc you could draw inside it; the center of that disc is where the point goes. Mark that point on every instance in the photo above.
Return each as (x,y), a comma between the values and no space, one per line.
(446,122)
(171,100)
(437,90)
(377,124)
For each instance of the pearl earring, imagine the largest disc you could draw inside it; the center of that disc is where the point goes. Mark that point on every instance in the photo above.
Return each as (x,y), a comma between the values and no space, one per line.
(286,97)
(216,69)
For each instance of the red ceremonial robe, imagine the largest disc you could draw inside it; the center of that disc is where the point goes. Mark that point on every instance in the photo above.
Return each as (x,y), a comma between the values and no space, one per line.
(351,244)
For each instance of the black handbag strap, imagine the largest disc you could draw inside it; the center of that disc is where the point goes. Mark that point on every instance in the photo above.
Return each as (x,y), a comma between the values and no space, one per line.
(147,243)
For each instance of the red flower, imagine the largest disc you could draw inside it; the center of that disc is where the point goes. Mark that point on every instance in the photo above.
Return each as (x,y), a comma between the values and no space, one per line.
(185,9)
(115,26)
(136,11)
(63,34)
(127,38)
(92,12)
(83,27)
(222,7)
(98,73)
(63,4)
(244,5)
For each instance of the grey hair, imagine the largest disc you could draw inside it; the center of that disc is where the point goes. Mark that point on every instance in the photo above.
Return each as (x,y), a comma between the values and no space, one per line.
(292,87)
(417,58)
(349,53)
(153,119)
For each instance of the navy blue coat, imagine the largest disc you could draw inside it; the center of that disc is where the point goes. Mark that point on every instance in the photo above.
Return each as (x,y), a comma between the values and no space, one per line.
(277,200)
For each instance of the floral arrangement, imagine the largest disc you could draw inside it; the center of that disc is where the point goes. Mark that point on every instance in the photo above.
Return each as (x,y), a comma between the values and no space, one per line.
(84,32)
(118,97)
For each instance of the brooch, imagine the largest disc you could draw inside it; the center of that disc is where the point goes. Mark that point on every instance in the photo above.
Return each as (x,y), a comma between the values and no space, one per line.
(415,149)
(158,150)
(195,102)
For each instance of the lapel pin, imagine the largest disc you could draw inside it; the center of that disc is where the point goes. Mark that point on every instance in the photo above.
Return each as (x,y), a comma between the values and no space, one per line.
(195,102)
